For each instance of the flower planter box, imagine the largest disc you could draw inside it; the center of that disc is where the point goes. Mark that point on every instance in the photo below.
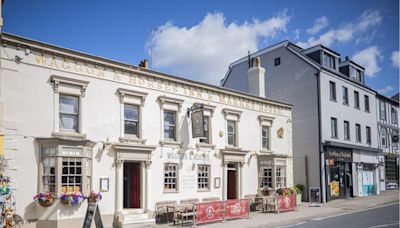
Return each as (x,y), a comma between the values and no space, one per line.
(286,203)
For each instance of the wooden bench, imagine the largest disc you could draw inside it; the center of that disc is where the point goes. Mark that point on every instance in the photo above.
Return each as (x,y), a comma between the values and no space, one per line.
(161,211)
(187,211)
(210,199)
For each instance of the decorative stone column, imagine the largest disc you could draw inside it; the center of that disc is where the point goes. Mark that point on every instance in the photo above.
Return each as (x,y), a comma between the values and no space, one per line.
(119,191)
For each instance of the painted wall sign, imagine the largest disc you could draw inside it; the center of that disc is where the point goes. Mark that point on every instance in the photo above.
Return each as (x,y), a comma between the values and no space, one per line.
(149,82)
(198,124)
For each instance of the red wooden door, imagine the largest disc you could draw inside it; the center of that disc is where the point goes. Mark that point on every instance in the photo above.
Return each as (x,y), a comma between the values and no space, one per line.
(231,184)
(135,185)
(132,185)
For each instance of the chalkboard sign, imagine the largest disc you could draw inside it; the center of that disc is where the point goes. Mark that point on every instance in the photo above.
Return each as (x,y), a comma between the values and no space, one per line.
(315,196)
(92,211)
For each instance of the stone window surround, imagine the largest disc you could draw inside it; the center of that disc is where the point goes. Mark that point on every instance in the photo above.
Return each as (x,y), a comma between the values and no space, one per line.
(209,112)
(170,104)
(59,145)
(233,115)
(273,157)
(266,121)
(74,87)
(132,97)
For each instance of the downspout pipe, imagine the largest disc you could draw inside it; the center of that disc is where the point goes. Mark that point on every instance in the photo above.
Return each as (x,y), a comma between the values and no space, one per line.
(320,146)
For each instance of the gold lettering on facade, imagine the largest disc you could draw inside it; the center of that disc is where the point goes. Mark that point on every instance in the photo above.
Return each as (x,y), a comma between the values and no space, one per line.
(141,81)
(89,70)
(53,63)
(210,95)
(64,64)
(41,59)
(150,83)
(77,67)
(132,80)
(175,88)
(116,76)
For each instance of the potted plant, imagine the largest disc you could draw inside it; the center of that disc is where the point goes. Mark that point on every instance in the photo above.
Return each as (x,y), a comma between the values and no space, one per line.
(94,197)
(299,191)
(44,199)
(71,198)
(265,191)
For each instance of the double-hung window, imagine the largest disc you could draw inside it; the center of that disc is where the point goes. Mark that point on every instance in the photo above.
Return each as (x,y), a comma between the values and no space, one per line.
(231,125)
(69,112)
(332,90)
(383,137)
(368,134)
(203,177)
(345,94)
(346,130)
(265,136)
(334,132)
(356,100)
(170,177)
(131,120)
(382,110)
(169,125)
(358,132)
(366,103)
(394,115)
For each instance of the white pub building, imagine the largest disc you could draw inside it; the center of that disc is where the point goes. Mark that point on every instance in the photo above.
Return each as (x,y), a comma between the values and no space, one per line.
(74,122)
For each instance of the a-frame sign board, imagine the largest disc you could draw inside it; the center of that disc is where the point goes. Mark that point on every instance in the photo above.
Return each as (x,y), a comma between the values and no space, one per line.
(92,212)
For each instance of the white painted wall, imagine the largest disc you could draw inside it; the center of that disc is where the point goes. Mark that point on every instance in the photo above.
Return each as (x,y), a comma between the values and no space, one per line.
(28,114)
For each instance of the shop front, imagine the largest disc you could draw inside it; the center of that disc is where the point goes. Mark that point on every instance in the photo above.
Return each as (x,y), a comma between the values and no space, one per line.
(339,172)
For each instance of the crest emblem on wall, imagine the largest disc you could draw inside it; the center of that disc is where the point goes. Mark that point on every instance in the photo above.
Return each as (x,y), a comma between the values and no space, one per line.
(281,132)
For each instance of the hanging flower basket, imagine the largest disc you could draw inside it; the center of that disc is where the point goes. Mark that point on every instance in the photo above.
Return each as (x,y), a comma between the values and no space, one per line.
(94,197)
(71,198)
(266,191)
(44,199)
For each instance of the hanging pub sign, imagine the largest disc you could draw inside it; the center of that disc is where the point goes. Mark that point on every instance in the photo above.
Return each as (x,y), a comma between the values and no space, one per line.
(198,123)
(395,138)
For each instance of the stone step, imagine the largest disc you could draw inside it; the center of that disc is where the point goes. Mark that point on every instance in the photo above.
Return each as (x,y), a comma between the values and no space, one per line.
(141,222)
(135,216)
(132,211)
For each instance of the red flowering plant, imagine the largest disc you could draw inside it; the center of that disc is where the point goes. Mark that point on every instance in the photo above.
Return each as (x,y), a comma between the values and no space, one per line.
(71,198)
(94,197)
(44,199)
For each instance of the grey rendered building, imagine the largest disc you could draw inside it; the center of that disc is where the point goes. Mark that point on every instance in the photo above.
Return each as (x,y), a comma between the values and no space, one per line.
(334,116)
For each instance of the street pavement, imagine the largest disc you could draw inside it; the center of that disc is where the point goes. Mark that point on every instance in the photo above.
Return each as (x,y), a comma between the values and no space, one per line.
(384,216)
(318,216)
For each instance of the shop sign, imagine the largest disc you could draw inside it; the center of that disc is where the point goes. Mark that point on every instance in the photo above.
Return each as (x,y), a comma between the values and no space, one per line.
(339,155)
(209,212)
(236,208)
(197,124)
(287,203)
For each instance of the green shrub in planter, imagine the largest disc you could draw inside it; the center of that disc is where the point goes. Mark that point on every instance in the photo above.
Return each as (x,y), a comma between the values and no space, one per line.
(299,190)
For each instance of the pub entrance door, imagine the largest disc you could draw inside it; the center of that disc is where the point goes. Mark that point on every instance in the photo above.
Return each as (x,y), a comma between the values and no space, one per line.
(232,184)
(132,184)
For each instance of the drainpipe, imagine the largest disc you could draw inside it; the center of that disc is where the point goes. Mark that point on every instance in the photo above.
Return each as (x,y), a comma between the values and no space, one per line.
(320,149)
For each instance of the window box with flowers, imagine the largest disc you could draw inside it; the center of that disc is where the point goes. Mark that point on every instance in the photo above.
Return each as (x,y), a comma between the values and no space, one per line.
(71,198)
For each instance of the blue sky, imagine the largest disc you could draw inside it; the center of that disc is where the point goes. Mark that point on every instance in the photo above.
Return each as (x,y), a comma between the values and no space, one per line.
(198,39)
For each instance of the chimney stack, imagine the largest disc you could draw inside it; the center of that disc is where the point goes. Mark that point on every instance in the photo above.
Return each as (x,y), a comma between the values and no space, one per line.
(144,64)
(256,78)
(347,58)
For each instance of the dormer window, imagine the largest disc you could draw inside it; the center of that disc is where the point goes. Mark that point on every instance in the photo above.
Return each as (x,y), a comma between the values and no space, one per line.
(356,74)
(328,60)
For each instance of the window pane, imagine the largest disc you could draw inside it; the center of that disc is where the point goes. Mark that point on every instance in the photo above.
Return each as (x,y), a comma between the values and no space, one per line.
(169,132)
(131,127)
(169,118)
(231,127)
(69,104)
(69,122)
(131,112)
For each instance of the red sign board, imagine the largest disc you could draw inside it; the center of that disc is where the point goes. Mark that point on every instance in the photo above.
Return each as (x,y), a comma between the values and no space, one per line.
(236,208)
(287,203)
(209,212)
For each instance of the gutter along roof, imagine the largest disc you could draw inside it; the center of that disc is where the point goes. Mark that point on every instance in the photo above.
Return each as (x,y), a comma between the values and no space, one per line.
(109,63)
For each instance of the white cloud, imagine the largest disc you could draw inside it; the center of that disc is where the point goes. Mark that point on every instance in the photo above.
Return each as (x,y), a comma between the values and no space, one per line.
(369,58)
(204,51)
(386,90)
(319,24)
(296,34)
(395,59)
(358,30)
